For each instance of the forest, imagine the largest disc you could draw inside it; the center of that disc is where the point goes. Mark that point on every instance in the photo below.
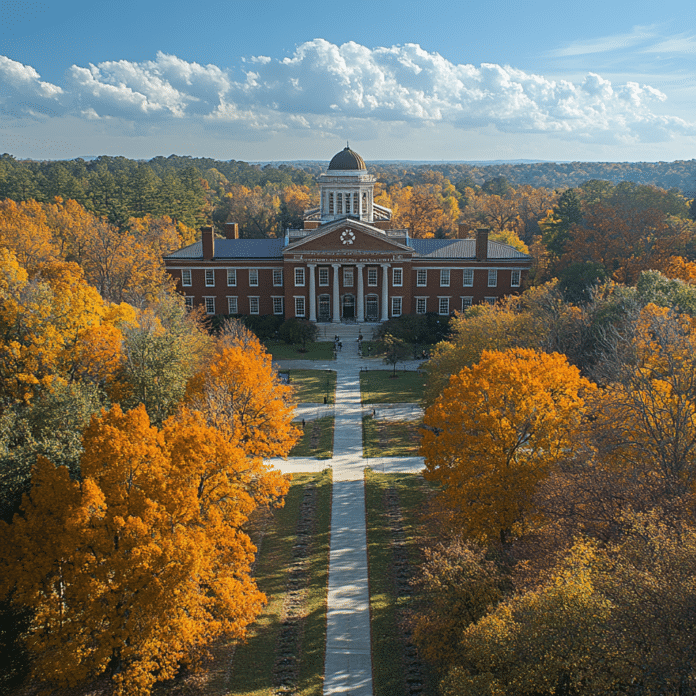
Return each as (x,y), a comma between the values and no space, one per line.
(559,434)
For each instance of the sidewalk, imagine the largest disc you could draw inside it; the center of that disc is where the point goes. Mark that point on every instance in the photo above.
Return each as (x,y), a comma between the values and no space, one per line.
(348,663)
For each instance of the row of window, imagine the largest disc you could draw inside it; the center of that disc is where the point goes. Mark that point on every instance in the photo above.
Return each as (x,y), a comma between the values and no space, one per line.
(443,305)
(348,279)
(233,304)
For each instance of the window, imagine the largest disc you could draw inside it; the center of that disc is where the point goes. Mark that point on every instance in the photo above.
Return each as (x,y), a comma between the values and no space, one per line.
(186,278)
(339,203)
(397,277)
(443,305)
(277,277)
(277,305)
(189,301)
(444,277)
(421,277)
(492,277)
(421,305)
(232,305)
(372,277)
(253,305)
(323,277)
(468,280)
(364,203)
(299,306)
(253,277)
(491,300)
(331,203)
(348,277)
(299,277)
(347,202)
(396,306)
(209,278)
(210,305)
(467,302)
(515,279)
(231,277)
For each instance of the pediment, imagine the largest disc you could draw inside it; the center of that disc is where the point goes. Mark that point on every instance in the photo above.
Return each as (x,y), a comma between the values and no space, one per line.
(347,236)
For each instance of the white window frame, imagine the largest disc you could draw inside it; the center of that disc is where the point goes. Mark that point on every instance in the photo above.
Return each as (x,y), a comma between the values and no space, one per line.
(277,277)
(444,277)
(254,304)
(209,305)
(372,277)
(232,304)
(422,277)
(231,277)
(467,301)
(186,281)
(515,277)
(443,302)
(278,304)
(188,300)
(421,301)
(209,277)
(397,277)
(468,278)
(253,277)
(397,305)
(348,277)
(492,278)
(299,277)
(323,276)
(299,305)
(491,300)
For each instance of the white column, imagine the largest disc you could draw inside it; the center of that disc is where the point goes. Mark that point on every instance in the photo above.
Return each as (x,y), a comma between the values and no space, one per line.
(385,291)
(312,293)
(361,293)
(336,297)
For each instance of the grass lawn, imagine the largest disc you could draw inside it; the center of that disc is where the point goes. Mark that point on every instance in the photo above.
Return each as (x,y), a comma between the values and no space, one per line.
(312,386)
(317,439)
(253,661)
(379,387)
(386,607)
(321,350)
(384,438)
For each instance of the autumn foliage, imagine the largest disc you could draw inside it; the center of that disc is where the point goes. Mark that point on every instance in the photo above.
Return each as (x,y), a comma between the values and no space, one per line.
(497,430)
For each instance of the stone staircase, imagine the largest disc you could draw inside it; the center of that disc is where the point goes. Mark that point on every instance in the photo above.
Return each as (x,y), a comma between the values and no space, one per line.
(346,332)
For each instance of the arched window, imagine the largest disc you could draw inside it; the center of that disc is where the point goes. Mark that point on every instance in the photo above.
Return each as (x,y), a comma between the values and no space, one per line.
(364,204)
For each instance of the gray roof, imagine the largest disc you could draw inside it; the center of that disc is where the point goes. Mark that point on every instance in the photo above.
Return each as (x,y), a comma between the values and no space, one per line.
(235,249)
(462,249)
(423,248)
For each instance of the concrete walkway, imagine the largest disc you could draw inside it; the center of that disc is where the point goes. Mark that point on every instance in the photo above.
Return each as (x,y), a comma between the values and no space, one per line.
(348,664)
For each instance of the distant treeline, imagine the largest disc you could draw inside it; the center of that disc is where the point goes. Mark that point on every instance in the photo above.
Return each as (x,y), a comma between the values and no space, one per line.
(194,190)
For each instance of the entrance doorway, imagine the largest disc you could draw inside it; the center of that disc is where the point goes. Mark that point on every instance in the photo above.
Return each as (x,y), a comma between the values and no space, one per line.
(348,307)
(324,308)
(371,308)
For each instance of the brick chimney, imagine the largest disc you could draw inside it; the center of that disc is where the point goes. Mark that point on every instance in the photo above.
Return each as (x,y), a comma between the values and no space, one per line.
(231,230)
(462,231)
(482,243)
(208,243)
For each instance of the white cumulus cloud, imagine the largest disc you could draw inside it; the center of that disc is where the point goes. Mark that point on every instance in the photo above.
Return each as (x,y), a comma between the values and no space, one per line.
(325,85)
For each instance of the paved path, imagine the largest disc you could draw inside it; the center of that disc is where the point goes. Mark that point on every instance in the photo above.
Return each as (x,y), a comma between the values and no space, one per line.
(348,664)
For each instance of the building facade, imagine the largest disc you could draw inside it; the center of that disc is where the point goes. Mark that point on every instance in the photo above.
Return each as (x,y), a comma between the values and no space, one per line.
(346,264)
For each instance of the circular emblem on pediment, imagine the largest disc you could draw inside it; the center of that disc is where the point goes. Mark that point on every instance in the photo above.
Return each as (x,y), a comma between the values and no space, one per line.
(348,236)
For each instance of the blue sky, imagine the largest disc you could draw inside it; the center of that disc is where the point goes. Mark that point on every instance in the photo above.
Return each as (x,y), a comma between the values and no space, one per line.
(432,80)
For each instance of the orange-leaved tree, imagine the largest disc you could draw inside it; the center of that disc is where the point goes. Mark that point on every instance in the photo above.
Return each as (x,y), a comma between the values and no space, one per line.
(240,393)
(133,570)
(497,430)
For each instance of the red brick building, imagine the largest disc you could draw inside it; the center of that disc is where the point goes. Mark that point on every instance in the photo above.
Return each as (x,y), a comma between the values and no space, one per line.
(346,264)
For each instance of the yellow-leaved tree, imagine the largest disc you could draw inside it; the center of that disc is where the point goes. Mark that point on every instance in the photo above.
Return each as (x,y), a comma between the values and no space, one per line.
(497,430)
(133,570)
